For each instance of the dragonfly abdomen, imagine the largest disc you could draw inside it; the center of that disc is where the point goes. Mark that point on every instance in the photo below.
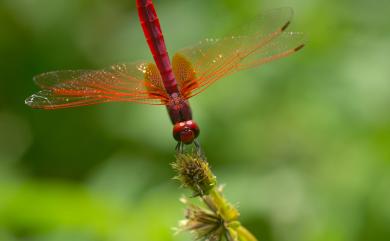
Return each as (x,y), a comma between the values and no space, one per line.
(155,39)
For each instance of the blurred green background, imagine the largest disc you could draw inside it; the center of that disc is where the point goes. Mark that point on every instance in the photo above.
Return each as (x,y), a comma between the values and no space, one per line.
(302,143)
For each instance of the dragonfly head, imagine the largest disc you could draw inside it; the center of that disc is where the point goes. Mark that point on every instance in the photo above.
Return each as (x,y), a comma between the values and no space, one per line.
(186,131)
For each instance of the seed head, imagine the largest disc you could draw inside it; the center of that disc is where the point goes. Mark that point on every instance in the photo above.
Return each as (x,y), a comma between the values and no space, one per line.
(193,172)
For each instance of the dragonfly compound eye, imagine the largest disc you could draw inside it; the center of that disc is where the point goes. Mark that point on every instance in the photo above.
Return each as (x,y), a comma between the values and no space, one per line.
(185,131)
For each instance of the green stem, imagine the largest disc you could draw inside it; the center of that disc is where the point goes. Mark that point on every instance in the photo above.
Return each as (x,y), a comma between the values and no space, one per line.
(225,209)
(245,234)
(220,219)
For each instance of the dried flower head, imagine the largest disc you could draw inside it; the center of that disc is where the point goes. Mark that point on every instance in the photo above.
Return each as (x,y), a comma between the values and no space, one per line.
(194,173)
(208,225)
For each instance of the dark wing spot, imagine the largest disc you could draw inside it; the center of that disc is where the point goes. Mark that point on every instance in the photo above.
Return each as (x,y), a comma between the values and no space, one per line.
(285,26)
(299,47)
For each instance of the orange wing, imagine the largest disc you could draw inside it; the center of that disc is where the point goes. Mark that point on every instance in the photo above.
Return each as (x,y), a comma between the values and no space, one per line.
(261,41)
(136,82)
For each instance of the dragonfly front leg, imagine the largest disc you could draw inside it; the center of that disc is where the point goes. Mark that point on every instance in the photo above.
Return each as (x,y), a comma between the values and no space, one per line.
(199,150)
(179,148)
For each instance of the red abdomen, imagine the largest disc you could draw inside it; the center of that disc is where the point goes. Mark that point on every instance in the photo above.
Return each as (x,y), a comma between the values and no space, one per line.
(153,34)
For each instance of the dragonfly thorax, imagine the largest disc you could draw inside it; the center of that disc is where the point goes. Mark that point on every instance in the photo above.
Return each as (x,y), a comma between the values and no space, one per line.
(176,101)
(186,131)
(179,109)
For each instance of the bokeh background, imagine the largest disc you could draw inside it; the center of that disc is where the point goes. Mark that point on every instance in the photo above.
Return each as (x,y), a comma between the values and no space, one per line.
(302,143)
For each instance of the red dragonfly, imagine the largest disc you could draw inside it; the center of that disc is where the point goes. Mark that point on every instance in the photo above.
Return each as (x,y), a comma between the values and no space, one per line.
(161,83)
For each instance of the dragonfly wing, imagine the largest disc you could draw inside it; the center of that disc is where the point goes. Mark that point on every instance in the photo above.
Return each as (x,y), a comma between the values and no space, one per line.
(184,73)
(259,42)
(135,82)
(281,46)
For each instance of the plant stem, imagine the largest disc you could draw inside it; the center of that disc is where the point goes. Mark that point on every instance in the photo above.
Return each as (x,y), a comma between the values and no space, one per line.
(245,234)
(220,218)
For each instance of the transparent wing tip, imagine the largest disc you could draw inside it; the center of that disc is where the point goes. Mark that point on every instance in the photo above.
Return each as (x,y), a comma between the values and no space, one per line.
(39,101)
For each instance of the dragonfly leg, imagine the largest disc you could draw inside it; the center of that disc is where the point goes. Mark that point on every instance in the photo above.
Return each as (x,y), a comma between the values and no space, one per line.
(199,150)
(179,148)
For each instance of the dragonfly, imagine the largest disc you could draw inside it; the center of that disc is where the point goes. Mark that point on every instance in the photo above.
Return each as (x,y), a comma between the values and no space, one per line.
(172,83)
